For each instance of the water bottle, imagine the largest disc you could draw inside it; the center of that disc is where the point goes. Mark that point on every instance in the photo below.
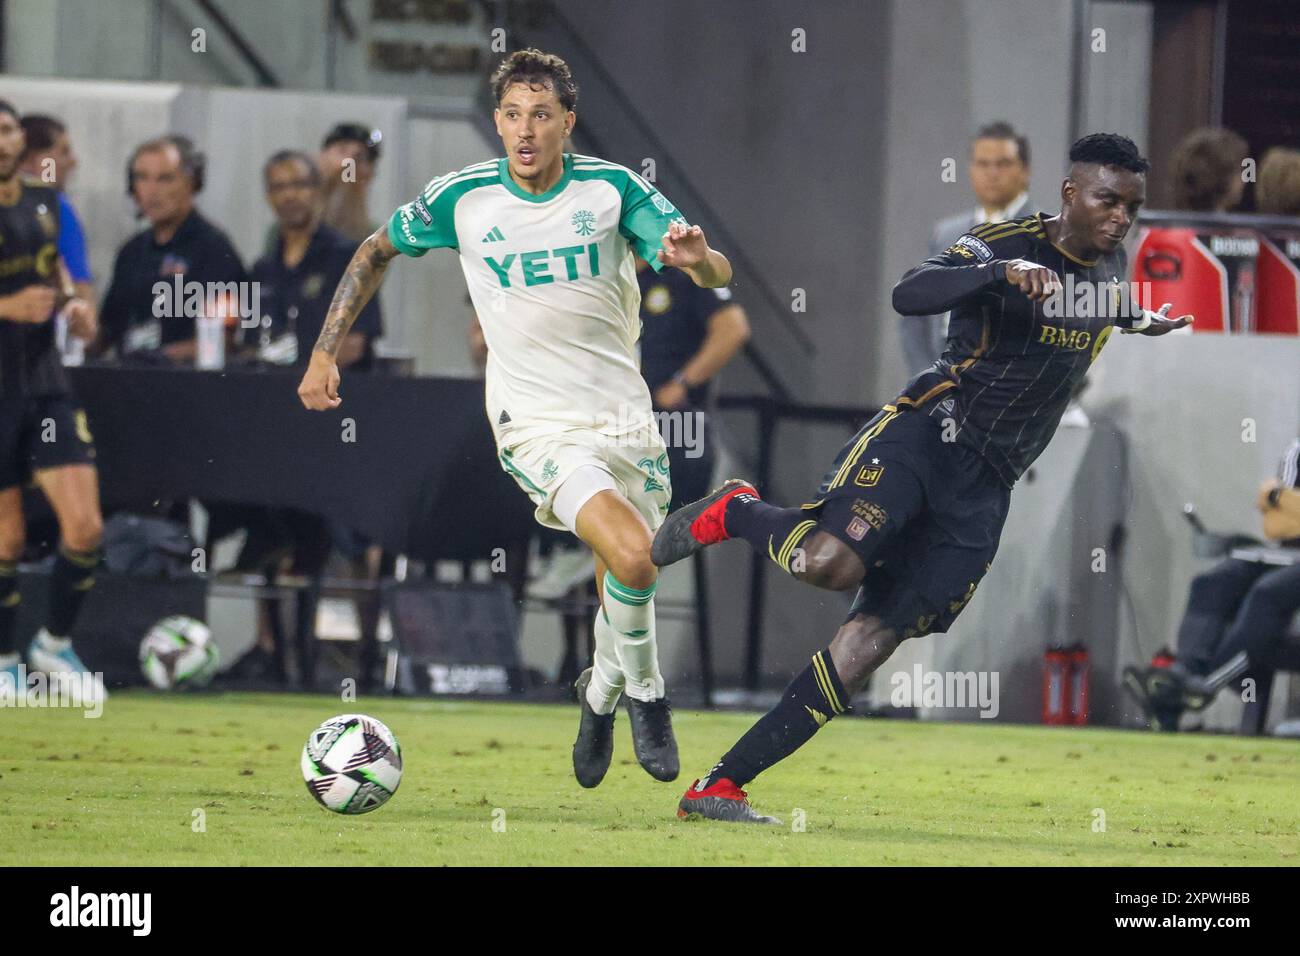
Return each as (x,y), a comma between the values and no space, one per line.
(211,334)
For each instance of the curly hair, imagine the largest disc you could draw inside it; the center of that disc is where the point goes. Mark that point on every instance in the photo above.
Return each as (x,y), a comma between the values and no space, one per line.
(1203,167)
(537,70)
(1278,190)
(1109,149)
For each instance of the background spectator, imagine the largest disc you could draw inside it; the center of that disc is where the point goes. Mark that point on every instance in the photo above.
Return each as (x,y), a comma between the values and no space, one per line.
(348,159)
(49,158)
(297,278)
(163,177)
(1206,170)
(999,178)
(1277,193)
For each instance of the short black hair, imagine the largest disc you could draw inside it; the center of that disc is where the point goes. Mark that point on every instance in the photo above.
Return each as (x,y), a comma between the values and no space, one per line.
(537,70)
(1109,149)
(368,136)
(292,155)
(7,107)
(1001,129)
(41,132)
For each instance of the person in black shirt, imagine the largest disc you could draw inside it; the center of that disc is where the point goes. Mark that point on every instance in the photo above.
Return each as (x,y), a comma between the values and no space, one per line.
(688,334)
(164,175)
(912,508)
(43,432)
(1237,613)
(297,278)
(295,282)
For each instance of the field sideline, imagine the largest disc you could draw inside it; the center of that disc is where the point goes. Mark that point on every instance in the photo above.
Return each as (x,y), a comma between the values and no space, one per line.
(123,790)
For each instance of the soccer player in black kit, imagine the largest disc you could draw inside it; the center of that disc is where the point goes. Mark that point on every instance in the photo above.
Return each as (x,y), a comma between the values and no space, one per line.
(43,433)
(911,510)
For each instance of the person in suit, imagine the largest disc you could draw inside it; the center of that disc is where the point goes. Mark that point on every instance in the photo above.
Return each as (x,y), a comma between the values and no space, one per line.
(999,177)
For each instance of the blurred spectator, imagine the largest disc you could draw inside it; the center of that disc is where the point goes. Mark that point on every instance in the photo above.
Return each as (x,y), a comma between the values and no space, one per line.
(163,176)
(49,158)
(1237,612)
(999,178)
(1277,193)
(348,159)
(297,278)
(688,335)
(1206,171)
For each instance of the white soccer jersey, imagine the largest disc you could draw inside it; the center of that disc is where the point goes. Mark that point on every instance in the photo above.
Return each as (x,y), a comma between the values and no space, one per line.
(554,284)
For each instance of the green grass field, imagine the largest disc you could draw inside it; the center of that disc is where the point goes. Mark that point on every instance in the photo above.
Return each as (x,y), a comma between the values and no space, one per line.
(123,790)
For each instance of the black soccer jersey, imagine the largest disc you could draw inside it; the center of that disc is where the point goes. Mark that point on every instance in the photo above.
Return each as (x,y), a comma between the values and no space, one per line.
(29,235)
(1011,364)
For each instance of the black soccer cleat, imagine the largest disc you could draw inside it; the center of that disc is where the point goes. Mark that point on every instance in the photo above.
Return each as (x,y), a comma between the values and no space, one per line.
(695,526)
(1161,693)
(652,737)
(1135,683)
(723,801)
(594,748)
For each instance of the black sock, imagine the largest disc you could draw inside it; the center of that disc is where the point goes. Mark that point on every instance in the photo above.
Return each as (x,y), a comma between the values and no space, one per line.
(812,698)
(9,598)
(773,531)
(73,575)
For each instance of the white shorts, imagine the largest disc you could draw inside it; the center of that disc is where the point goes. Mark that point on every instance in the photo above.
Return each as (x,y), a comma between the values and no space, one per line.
(637,464)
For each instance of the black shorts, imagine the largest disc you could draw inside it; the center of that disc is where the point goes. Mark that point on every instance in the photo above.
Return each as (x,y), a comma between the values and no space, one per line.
(923,514)
(46,431)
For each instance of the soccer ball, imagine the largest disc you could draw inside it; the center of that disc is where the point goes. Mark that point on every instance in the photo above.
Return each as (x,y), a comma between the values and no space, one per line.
(352,764)
(178,652)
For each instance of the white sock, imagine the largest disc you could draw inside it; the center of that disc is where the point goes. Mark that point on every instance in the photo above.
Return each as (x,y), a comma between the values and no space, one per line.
(606,672)
(631,613)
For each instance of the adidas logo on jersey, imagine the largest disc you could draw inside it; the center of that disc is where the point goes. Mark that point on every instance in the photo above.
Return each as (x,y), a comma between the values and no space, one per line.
(495,235)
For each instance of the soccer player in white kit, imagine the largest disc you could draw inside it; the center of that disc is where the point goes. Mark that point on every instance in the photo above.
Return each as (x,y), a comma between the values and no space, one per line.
(546,240)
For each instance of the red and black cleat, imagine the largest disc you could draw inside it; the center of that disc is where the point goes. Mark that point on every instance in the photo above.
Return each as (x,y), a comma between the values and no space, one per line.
(720,801)
(697,525)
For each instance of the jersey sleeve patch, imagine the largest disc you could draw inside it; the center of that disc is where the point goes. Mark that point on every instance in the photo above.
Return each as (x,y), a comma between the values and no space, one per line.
(647,214)
(969,247)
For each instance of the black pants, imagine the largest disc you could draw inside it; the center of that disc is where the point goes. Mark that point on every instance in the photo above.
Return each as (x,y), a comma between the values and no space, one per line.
(690,464)
(1236,606)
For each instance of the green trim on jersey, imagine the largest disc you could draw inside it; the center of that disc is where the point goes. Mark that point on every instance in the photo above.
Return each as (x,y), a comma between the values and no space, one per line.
(512,187)
(646,212)
(408,229)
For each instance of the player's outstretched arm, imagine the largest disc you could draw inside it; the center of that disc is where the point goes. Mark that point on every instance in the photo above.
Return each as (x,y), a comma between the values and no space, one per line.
(684,247)
(319,389)
(941,282)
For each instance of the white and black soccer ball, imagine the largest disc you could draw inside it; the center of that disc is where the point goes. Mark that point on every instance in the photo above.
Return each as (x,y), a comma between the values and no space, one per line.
(179,652)
(352,764)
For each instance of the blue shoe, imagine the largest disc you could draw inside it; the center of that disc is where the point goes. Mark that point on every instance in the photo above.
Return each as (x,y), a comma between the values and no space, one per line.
(55,657)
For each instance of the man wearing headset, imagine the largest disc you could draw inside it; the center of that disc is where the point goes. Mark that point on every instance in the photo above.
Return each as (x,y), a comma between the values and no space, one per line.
(163,177)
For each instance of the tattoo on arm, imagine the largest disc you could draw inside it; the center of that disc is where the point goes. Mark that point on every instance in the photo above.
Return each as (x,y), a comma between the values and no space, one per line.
(363,275)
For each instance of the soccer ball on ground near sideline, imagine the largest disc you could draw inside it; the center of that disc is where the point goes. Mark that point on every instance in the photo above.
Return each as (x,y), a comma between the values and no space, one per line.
(352,764)
(178,652)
